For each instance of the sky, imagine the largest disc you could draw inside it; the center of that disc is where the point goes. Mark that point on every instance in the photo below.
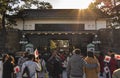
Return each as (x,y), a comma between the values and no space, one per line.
(69,4)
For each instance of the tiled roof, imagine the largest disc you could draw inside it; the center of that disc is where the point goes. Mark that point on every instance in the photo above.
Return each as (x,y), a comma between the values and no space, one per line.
(61,13)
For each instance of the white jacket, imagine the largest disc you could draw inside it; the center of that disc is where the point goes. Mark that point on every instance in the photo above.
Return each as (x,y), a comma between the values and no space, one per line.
(33,67)
(1,69)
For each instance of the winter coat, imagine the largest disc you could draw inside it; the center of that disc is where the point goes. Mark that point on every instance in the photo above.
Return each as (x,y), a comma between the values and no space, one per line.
(8,69)
(116,73)
(42,73)
(75,66)
(33,67)
(92,72)
(102,64)
(54,67)
(112,65)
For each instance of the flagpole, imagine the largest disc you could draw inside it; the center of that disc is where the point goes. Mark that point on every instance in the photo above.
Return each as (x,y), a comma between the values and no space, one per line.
(114,3)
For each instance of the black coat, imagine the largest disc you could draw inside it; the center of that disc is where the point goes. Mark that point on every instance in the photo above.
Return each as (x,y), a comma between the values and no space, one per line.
(8,69)
(54,67)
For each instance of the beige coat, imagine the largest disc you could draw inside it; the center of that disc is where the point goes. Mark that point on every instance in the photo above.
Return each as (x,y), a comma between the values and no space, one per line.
(92,72)
(116,73)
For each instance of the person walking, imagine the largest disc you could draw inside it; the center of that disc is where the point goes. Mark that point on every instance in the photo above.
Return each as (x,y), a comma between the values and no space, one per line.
(102,63)
(32,66)
(21,60)
(113,64)
(42,63)
(1,66)
(91,59)
(54,65)
(76,64)
(8,66)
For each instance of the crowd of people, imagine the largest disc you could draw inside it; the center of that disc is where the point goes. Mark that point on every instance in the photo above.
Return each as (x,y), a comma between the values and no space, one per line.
(93,65)
(53,64)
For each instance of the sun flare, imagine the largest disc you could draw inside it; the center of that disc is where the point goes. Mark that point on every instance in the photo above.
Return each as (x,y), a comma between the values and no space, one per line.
(72,4)
(84,4)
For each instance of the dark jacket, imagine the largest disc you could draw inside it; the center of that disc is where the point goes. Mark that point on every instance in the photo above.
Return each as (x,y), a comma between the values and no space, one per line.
(8,69)
(75,66)
(54,67)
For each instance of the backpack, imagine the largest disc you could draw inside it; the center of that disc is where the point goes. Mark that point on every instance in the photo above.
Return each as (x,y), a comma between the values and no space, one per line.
(26,73)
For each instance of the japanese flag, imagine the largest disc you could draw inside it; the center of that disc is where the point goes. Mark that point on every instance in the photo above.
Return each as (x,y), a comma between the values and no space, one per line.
(107,59)
(117,57)
(16,69)
(36,53)
(106,69)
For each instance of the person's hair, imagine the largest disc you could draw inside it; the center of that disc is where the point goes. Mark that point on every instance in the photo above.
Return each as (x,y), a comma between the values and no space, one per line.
(77,51)
(112,55)
(101,54)
(31,56)
(26,54)
(111,51)
(11,59)
(90,54)
(4,57)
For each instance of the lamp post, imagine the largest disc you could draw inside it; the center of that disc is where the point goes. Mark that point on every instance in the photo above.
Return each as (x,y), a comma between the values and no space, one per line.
(23,42)
(96,42)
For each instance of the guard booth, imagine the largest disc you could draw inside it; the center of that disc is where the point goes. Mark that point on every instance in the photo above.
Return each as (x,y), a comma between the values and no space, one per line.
(91,47)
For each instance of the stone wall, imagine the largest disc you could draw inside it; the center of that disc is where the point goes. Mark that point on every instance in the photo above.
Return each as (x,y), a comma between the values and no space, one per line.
(110,39)
(12,40)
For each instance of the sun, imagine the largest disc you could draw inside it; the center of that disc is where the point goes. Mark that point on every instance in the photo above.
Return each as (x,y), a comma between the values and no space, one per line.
(72,4)
(84,4)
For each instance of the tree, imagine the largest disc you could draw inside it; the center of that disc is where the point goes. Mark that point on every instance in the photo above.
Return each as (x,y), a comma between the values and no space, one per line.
(11,7)
(45,5)
(110,8)
(113,11)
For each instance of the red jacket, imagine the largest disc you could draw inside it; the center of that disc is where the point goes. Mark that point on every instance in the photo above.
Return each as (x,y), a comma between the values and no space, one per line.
(113,65)
(101,61)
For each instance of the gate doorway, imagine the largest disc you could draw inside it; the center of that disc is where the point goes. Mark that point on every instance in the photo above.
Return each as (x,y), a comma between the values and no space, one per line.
(60,45)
